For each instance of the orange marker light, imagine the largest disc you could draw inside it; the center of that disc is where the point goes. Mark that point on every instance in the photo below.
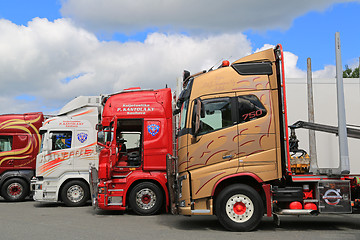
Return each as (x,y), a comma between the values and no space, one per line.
(225,63)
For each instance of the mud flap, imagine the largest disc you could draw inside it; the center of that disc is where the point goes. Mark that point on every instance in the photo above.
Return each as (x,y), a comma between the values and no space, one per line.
(334,196)
(171,181)
(93,180)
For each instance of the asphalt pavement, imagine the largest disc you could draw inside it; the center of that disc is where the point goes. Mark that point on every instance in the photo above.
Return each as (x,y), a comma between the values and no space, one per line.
(32,220)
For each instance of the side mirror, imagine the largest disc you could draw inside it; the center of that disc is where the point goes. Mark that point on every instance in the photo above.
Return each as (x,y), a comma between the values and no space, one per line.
(48,142)
(101,139)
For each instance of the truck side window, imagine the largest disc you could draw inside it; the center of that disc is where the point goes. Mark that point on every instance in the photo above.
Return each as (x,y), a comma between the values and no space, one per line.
(250,108)
(217,115)
(61,140)
(5,143)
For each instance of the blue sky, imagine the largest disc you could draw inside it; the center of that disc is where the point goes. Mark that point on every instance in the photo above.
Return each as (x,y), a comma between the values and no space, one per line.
(312,35)
(20,11)
(55,50)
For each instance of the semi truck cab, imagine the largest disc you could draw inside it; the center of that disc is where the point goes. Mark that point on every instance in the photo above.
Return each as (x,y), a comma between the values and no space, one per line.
(233,157)
(68,147)
(19,144)
(135,135)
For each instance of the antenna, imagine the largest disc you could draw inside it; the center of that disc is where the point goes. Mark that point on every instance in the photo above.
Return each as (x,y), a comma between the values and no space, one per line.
(218,63)
(215,64)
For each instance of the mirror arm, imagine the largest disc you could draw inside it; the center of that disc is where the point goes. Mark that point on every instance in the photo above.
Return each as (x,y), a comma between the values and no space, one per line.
(101,144)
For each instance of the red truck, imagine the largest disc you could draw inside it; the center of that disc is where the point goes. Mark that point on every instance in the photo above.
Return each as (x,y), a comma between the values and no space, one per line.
(135,135)
(19,145)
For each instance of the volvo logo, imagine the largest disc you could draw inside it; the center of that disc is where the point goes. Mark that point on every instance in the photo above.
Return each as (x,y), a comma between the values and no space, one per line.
(332,196)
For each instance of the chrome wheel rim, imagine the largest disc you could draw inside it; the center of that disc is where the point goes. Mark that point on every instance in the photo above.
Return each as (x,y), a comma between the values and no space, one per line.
(75,193)
(14,190)
(146,198)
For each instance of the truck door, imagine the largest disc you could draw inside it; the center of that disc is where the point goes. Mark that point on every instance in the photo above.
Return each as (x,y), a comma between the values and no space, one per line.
(23,151)
(17,151)
(84,145)
(61,156)
(6,147)
(155,144)
(214,141)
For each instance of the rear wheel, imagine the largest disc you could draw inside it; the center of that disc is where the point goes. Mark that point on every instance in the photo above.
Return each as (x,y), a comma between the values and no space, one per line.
(146,198)
(75,193)
(239,208)
(15,189)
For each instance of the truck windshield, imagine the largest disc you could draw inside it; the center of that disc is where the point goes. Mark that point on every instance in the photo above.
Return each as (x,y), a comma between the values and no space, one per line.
(183,113)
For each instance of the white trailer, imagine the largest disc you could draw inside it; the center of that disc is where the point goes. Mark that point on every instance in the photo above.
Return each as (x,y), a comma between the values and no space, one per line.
(68,147)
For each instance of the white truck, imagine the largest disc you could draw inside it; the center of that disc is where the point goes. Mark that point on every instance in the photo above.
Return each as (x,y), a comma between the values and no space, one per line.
(69,143)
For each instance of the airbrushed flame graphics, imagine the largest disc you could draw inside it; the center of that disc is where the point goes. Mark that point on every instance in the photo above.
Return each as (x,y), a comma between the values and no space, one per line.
(50,162)
(249,138)
(205,180)
(27,151)
(83,113)
(76,115)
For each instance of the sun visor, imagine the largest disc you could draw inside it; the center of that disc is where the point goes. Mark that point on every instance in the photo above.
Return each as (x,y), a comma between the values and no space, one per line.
(253,68)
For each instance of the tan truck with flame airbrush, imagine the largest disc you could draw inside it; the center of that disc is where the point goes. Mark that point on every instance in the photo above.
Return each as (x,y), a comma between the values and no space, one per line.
(233,155)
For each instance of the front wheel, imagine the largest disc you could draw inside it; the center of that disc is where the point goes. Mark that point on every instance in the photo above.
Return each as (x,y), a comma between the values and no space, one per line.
(75,193)
(146,198)
(15,190)
(239,207)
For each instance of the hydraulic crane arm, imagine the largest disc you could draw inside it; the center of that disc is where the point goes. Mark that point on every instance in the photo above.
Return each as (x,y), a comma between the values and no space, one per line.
(351,132)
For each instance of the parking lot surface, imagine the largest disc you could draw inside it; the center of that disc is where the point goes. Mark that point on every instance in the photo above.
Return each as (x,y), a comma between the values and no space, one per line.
(33,220)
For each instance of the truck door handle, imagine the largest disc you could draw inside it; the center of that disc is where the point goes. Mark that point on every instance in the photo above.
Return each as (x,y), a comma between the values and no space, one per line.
(227,157)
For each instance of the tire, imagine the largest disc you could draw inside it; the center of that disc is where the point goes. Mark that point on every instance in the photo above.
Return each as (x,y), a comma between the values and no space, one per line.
(75,193)
(239,207)
(146,198)
(15,190)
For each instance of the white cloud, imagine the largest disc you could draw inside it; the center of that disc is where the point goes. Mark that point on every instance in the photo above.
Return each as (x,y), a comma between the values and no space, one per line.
(46,64)
(290,63)
(197,16)
(292,71)
(50,63)
(329,71)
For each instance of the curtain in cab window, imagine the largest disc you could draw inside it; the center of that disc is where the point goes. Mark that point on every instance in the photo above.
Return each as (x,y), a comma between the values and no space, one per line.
(5,143)
(61,140)
(250,108)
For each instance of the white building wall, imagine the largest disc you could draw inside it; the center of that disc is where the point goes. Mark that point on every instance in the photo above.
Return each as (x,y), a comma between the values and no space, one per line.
(325,113)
